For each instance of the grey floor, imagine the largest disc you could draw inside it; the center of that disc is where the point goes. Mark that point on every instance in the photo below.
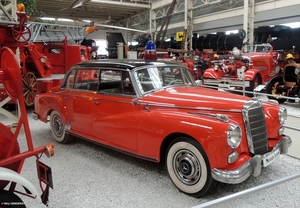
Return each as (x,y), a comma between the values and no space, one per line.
(88,175)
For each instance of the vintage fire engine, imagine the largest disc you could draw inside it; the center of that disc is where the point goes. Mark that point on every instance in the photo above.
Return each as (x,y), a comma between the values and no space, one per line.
(243,71)
(286,84)
(11,157)
(45,51)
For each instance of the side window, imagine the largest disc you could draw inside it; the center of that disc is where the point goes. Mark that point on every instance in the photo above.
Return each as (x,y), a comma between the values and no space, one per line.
(110,81)
(87,79)
(116,82)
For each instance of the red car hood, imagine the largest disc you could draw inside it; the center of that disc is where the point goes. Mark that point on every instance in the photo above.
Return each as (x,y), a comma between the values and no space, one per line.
(196,97)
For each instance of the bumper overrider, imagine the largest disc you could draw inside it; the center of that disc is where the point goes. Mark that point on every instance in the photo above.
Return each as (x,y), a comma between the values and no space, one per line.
(252,166)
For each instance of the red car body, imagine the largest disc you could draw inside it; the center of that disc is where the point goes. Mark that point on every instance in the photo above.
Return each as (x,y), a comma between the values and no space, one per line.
(203,135)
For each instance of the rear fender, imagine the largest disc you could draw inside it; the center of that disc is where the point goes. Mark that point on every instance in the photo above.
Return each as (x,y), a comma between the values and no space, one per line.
(47,104)
(10,175)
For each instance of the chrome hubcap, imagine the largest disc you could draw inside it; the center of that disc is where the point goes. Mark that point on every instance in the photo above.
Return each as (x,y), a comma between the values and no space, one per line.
(187,167)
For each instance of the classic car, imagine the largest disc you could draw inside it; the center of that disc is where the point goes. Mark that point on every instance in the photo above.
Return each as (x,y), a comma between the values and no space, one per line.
(155,111)
(239,70)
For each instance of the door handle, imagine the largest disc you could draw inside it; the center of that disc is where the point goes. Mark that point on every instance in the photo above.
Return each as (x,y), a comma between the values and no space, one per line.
(67,98)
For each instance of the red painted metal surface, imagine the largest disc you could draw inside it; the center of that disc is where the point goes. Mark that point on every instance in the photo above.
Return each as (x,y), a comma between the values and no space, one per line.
(10,155)
(38,59)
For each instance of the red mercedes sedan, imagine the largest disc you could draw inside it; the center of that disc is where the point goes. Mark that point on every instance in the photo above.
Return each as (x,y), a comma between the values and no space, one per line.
(155,111)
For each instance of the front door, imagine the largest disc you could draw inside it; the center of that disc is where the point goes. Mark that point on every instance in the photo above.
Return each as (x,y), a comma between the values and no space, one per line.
(115,116)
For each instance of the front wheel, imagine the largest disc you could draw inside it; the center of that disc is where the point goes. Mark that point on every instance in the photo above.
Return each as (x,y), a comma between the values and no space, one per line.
(276,89)
(188,167)
(58,128)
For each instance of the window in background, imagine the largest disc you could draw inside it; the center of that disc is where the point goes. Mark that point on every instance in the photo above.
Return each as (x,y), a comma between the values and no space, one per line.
(102,47)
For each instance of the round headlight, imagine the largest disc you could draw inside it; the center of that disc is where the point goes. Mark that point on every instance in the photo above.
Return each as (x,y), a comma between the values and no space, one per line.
(277,69)
(297,70)
(234,136)
(282,115)
(43,59)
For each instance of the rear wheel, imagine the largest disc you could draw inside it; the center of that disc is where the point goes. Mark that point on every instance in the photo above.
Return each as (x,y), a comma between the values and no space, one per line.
(276,89)
(188,167)
(10,200)
(58,128)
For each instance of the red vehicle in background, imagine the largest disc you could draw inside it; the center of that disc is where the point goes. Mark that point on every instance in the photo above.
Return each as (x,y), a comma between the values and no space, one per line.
(45,52)
(243,70)
(11,157)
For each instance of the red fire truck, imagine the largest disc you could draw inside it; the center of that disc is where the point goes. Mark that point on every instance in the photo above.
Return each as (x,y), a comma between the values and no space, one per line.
(45,52)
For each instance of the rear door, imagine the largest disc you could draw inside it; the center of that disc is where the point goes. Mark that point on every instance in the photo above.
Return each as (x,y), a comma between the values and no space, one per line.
(79,101)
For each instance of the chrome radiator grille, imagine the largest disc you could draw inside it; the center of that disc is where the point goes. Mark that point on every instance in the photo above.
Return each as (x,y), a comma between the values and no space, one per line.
(256,129)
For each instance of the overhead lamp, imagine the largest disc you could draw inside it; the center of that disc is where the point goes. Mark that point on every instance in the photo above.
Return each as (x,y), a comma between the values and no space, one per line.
(65,20)
(48,18)
(215,2)
(86,21)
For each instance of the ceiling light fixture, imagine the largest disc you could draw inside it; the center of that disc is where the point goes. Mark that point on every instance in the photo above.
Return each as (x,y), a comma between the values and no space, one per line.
(215,2)
(65,20)
(48,18)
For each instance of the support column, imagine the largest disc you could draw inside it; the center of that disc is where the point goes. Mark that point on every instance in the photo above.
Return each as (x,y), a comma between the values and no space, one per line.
(248,25)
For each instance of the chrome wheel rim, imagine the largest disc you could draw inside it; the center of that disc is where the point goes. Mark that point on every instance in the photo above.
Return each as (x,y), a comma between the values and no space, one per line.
(187,167)
(57,126)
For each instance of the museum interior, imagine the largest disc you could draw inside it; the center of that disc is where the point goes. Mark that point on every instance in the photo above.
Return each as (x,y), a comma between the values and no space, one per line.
(149,103)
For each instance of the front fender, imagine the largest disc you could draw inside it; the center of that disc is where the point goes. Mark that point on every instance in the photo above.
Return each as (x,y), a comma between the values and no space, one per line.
(250,74)
(10,175)
(208,131)
(212,74)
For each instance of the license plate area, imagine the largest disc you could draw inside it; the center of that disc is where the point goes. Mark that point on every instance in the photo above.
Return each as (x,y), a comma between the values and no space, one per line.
(271,157)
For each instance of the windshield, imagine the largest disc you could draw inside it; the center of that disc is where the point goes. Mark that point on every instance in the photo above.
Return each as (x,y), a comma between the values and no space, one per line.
(156,78)
(266,47)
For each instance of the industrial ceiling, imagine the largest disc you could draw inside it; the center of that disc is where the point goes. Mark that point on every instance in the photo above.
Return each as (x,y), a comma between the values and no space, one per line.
(103,11)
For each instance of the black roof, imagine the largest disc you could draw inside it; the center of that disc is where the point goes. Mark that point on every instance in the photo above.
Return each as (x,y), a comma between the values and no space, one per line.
(122,63)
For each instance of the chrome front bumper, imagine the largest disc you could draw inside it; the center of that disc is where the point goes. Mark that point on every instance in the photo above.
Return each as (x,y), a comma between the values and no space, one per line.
(251,167)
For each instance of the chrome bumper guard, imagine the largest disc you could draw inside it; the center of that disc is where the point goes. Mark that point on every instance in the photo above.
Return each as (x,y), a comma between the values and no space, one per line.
(251,167)
(226,83)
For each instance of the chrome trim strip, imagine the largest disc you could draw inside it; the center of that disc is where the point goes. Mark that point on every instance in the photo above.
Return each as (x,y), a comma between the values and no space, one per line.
(190,108)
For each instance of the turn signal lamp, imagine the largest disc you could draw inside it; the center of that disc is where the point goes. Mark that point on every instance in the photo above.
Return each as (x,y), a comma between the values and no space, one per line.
(21,7)
(49,150)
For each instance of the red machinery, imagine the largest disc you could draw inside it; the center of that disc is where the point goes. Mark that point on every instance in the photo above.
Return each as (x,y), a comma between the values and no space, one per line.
(43,51)
(11,159)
